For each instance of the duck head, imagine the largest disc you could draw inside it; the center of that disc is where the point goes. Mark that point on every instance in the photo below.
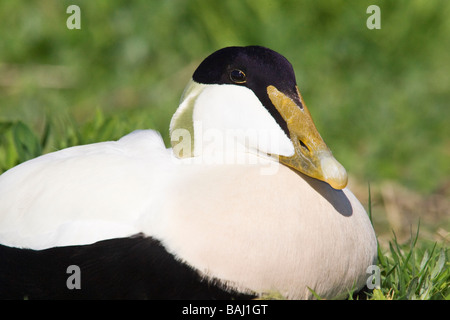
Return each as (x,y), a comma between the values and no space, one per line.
(251,93)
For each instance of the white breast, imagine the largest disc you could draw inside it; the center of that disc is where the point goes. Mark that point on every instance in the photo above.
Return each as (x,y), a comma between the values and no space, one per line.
(283,232)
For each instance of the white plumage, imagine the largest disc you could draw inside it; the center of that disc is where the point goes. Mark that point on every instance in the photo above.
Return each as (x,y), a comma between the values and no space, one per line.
(82,194)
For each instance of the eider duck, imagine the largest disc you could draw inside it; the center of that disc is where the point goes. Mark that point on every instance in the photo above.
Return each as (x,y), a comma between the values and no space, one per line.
(248,200)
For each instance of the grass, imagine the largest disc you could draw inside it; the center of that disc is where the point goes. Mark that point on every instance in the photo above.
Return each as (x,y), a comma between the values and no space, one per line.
(414,271)
(418,270)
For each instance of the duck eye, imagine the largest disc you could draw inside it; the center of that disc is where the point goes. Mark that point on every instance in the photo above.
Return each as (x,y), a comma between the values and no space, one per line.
(238,76)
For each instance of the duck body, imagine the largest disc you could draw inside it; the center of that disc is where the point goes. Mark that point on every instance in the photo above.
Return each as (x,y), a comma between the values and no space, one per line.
(223,222)
(293,225)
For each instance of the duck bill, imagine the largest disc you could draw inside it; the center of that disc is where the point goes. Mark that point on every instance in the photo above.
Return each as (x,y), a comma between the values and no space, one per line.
(311,155)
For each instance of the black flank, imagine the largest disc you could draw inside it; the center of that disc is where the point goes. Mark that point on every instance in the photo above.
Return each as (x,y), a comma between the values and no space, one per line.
(126,268)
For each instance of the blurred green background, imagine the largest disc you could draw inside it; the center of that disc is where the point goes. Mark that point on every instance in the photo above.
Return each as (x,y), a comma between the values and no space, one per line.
(380,98)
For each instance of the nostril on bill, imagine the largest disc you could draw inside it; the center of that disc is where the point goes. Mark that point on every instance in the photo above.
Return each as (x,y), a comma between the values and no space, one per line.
(304,146)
